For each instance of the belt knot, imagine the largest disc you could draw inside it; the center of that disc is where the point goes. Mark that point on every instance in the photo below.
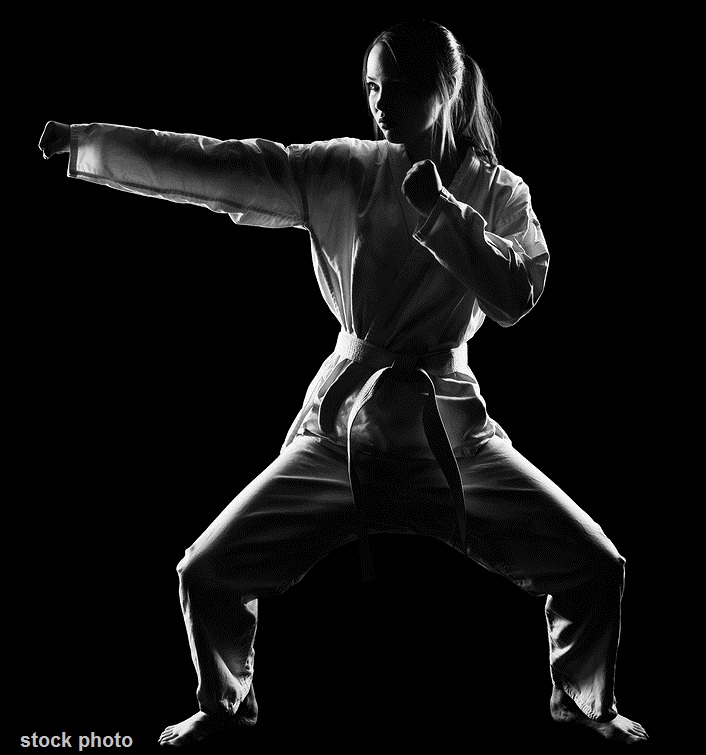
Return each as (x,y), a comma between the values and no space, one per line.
(368,363)
(357,350)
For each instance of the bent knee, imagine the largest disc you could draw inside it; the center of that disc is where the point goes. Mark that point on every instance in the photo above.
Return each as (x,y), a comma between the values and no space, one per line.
(608,565)
(193,567)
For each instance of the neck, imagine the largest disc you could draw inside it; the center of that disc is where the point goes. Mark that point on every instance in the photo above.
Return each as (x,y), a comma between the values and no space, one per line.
(423,148)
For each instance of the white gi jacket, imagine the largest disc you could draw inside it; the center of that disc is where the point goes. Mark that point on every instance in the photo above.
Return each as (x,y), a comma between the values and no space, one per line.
(391,278)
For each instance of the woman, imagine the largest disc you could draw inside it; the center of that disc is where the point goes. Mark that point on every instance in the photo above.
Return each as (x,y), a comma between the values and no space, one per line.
(416,238)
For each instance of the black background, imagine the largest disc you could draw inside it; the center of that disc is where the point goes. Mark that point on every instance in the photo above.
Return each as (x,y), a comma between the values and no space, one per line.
(138,331)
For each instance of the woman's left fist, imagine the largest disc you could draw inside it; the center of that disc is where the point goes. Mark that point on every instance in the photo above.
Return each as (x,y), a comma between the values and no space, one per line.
(422,185)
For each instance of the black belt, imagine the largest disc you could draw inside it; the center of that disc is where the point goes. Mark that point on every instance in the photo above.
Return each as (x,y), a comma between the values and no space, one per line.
(369,363)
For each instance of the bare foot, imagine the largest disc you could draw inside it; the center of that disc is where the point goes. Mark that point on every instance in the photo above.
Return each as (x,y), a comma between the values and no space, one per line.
(619,729)
(194,729)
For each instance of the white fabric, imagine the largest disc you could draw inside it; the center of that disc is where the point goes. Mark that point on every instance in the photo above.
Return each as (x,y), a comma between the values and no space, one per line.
(387,277)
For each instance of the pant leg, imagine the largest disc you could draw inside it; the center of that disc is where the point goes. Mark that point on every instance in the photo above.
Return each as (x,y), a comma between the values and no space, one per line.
(523,526)
(520,525)
(273,532)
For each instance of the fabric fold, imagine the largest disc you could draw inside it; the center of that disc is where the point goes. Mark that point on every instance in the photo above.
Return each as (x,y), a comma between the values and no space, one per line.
(370,363)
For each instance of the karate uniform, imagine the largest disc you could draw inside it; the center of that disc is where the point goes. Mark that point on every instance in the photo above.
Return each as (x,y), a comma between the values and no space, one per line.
(393,434)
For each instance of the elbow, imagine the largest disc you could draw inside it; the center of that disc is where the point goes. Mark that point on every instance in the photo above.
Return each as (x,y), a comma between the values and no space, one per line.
(520,306)
(519,294)
(512,317)
(510,308)
(508,292)
(518,298)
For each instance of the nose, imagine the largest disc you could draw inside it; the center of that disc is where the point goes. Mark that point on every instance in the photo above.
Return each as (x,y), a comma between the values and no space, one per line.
(382,101)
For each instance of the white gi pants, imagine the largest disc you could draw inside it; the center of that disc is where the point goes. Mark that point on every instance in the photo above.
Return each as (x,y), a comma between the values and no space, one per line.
(519,525)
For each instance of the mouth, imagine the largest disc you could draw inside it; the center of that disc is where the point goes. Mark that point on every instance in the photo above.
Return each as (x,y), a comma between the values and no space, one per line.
(386,125)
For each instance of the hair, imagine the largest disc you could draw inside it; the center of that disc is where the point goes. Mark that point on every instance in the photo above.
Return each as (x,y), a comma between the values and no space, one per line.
(430,56)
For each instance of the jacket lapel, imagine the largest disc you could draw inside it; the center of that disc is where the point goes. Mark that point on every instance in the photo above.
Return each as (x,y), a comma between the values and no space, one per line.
(382,328)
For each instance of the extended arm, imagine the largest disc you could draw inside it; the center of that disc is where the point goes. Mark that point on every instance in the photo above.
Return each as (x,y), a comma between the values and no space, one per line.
(251,180)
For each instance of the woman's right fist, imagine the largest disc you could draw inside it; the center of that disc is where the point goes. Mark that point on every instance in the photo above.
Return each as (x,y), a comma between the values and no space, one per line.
(55,139)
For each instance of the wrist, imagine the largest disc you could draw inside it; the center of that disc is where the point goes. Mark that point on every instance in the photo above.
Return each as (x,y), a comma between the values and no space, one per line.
(63,137)
(427,206)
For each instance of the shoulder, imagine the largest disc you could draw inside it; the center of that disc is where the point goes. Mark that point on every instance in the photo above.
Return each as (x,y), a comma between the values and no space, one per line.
(339,151)
(326,165)
(498,178)
(503,188)
(345,144)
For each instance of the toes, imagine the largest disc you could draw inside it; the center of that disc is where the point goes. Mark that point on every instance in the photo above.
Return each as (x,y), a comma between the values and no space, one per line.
(637,728)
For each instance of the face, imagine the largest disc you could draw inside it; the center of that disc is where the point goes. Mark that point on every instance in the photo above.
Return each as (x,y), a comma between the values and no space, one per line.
(403,115)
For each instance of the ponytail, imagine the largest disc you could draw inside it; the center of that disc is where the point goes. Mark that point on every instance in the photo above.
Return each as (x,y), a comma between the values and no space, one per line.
(477,120)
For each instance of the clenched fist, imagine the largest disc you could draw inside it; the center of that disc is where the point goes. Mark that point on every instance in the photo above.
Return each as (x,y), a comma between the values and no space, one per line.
(55,139)
(421,186)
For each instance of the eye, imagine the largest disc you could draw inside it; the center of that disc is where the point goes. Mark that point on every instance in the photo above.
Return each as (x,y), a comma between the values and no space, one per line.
(372,86)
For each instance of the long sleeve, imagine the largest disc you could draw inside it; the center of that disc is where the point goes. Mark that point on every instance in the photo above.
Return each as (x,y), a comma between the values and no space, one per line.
(505,268)
(252,180)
